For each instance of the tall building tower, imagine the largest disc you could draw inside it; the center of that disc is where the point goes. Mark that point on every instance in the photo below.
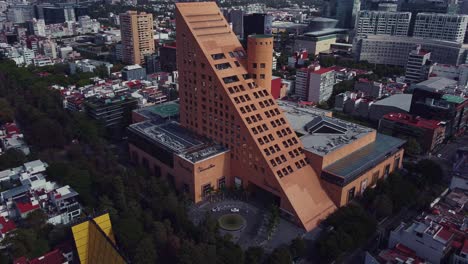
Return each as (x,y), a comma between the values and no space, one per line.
(137,36)
(419,65)
(383,23)
(218,100)
(257,24)
(441,26)
(260,58)
(346,12)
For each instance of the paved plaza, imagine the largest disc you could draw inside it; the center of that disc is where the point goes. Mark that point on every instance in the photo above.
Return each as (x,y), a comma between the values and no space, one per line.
(254,232)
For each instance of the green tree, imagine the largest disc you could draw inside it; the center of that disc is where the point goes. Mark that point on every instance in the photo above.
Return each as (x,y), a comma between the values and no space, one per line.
(12,158)
(36,220)
(280,255)
(25,242)
(383,206)
(6,112)
(413,147)
(298,247)
(431,172)
(254,255)
(146,251)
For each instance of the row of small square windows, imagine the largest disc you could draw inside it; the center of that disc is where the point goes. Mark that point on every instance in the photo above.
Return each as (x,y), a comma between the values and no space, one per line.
(266,139)
(242,98)
(284,171)
(290,142)
(248,108)
(278,160)
(272,112)
(254,118)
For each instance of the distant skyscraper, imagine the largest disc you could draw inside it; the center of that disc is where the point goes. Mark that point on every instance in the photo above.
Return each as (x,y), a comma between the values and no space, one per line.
(236,18)
(419,66)
(257,24)
(137,36)
(152,63)
(346,12)
(382,23)
(449,27)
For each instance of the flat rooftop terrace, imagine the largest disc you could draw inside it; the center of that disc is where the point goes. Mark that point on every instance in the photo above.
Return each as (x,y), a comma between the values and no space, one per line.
(347,169)
(173,137)
(321,134)
(164,110)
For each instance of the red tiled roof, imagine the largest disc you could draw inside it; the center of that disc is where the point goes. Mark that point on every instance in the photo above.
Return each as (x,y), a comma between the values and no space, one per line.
(53,257)
(465,247)
(11,128)
(444,234)
(412,120)
(323,70)
(6,225)
(26,207)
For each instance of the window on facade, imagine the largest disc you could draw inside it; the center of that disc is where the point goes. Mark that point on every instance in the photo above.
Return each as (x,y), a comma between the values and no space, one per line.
(396,165)
(254,65)
(207,189)
(218,56)
(351,194)
(222,183)
(262,65)
(262,76)
(387,170)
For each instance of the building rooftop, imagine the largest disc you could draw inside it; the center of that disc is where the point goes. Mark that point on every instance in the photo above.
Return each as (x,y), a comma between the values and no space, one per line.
(437,83)
(402,101)
(321,134)
(353,165)
(6,225)
(170,135)
(413,120)
(326,32)
(164,110)
(132,67)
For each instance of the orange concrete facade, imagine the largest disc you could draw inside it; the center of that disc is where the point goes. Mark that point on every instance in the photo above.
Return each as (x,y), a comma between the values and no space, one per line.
(339,194)
(137,36)
(260,59)
(187,176)
(220,101)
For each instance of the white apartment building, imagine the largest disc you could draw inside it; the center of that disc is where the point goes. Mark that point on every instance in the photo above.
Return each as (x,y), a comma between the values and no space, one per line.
(448,27)
(423,238)
(382,23)
(315,84)
(394,50)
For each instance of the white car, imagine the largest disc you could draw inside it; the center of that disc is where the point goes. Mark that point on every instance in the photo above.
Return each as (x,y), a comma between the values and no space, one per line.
(215,209)
(235,210)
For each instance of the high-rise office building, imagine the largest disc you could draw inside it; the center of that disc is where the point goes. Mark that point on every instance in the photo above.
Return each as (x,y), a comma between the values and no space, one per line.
(419,66)
(236,18)
(257,24)
(382,23)
(441,26)
(346,12)
(137,36)
(394,50)
(20,13)
(219,101)
(152,63)
(57,15)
